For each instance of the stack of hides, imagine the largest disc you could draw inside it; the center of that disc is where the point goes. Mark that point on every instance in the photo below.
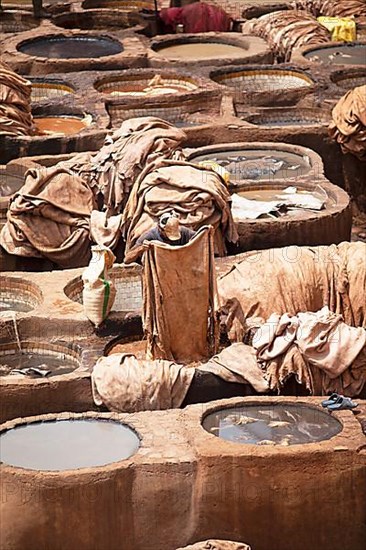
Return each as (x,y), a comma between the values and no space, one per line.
(349,122)
(286,31)
(15,111)
(333,8)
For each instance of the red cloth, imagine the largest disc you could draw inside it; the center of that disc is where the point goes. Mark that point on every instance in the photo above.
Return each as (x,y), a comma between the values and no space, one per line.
(197,17)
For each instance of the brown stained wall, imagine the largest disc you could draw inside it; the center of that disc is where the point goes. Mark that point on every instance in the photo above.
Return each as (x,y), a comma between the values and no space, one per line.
(185,485)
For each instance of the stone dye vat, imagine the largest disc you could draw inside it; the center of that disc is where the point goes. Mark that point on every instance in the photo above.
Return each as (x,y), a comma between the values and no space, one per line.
(351,53)
(62,124)
(37,377)
(174,96)
(172,467)
(295,117)
(208,49)
(266,86)
(262,171)
(258,162)
(280,424)
(71,47)
(145,85)
(111,20)
(18,295)
(46,89)
(44,51)
(67,444)
(346,80)
(10,182)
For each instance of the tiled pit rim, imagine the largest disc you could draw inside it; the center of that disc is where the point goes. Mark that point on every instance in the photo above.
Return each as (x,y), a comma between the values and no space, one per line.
(174,446)
(22,291)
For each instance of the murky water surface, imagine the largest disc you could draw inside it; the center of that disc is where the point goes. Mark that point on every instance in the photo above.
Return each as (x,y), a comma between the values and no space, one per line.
(278,424)
(72,47)
(200,50)
(67,444)
(259,164)
(47,365)
(352,54)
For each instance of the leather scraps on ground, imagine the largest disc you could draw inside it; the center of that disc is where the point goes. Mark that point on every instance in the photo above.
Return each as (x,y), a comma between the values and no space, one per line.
(348,127)
(199,196)
(197,17)
(15,104)
(180,299)
(286,31)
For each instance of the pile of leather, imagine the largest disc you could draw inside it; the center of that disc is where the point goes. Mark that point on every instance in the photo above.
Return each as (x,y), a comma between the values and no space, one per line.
(333,8)
(15,104)
(348,127)
(285,31)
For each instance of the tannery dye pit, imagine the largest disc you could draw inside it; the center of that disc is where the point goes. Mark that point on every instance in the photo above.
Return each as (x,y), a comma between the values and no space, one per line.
(280,424)
(67,444)
(182,275)
(62,47)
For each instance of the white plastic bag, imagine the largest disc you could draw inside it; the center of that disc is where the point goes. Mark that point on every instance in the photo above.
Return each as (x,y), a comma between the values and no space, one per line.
(99,291)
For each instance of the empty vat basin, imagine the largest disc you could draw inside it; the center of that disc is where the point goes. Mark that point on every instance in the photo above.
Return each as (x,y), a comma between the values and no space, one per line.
(276,424)
(341,54)
(67,444)
(49,89)
(350,79)
(275,118)
(96,20)
(10,182)
(15,21)
(267,85)
(18,295)
(257,164)
(71,47)
(143,86)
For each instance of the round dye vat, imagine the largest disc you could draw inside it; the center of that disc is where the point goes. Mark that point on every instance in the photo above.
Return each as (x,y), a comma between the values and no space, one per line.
(67,444)
(149,91)
(71,47)
(348,54)
(200,50)
(347,82)
(49,90)
(8,303)
(269,195)
(288,118)
(66,125)
(275,424)
(252,164)
(264,80)
(48,365)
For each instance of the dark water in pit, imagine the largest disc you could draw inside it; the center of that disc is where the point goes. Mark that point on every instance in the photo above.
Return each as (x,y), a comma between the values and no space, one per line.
(259,164)
(284,425)
(11,304)
(50,364)
(352,54)
(73,47)
(67,444)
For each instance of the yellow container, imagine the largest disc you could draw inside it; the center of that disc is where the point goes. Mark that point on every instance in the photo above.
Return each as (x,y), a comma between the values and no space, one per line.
(343,29)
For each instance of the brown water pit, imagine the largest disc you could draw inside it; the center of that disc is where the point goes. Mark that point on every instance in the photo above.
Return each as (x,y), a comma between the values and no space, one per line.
(67,444)
(201,50)
(275,424)
(65,125)
(346,54)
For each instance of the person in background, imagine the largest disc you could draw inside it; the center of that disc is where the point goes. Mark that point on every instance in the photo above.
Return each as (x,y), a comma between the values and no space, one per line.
(196,17)
(38,10)
(168,230)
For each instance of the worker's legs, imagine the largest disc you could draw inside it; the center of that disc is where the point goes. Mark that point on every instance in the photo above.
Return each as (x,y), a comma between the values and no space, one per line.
(37,8)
